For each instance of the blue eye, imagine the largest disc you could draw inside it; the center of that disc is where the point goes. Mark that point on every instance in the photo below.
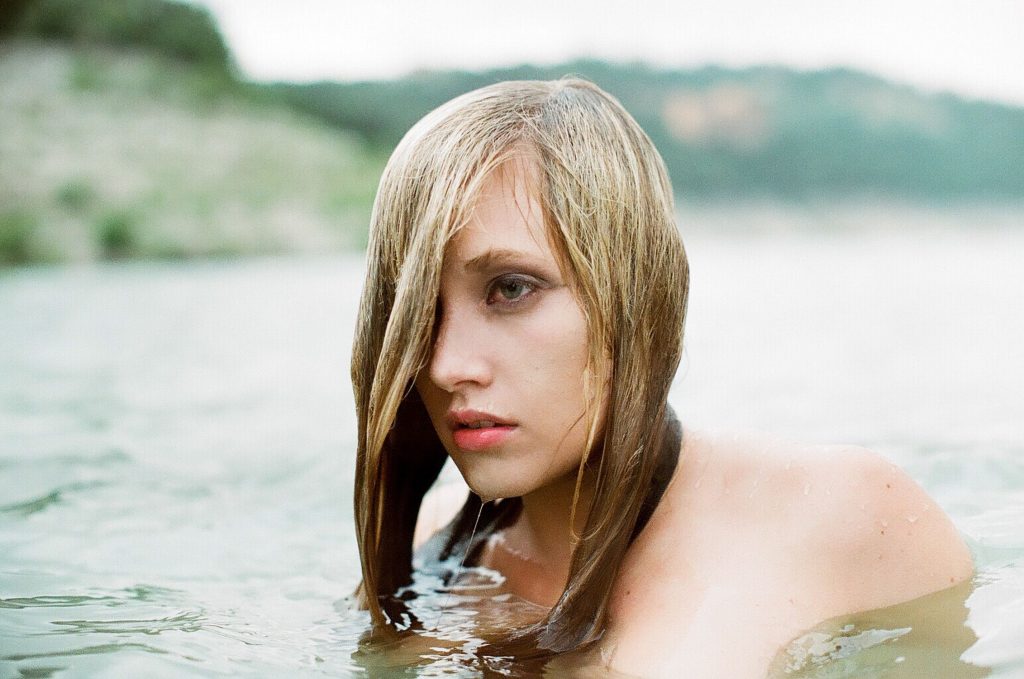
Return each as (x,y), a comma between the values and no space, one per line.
(510,290)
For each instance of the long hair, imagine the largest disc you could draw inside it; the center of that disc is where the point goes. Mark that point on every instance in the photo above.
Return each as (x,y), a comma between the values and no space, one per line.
(608,210)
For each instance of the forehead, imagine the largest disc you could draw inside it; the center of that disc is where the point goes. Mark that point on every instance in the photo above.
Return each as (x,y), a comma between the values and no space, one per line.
(506,215)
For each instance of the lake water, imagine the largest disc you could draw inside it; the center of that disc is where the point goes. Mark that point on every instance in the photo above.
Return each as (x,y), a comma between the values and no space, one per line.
(177,440)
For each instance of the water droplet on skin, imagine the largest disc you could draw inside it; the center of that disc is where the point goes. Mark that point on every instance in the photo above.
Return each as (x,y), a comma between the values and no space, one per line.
(912,518)
(885,524)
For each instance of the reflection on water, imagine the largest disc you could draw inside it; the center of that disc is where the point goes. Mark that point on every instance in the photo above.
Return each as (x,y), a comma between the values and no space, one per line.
(177,442)
(922,638)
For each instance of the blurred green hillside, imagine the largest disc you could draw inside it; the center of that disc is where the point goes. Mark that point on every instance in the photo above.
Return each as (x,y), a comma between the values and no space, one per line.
(128,133)
(764,132)
(171,29)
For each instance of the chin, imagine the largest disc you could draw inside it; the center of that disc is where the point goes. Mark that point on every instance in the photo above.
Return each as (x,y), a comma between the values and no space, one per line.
(491,485)
(495,491)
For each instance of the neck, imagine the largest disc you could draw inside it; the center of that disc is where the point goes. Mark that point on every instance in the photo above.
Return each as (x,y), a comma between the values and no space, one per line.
(543,532)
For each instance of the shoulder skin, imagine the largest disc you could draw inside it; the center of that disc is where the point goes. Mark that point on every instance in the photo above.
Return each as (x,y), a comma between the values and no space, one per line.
(758,539)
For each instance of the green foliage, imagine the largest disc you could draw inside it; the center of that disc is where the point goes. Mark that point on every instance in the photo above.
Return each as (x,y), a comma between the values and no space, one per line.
(179,31)
(75,195)
(10,14)
(724,133)
(16,233)
(86,75)
(288,182)
(117,234)
(764,131)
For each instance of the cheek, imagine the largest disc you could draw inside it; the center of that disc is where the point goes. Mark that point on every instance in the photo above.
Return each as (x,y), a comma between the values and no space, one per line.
(554,354)
(564,338)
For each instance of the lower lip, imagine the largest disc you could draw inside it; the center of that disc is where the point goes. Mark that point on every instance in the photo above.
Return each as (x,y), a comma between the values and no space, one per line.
(482,438)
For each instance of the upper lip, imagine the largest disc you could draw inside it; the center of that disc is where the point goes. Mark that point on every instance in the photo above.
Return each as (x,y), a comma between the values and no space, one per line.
(467,416)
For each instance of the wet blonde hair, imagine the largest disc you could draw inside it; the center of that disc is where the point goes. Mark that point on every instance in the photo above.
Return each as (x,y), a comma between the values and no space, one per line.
(608,208)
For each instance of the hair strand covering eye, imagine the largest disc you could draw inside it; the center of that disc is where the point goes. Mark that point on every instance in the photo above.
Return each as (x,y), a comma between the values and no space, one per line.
(608,208)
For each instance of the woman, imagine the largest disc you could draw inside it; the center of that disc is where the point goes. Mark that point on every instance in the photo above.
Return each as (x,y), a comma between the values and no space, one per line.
(523,314)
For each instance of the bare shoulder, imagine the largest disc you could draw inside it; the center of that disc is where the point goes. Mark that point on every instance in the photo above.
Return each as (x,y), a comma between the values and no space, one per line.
(759,538)
(884,540)
(862,527)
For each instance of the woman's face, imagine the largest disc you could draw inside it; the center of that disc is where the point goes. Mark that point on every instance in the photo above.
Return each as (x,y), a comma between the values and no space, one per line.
(504,385)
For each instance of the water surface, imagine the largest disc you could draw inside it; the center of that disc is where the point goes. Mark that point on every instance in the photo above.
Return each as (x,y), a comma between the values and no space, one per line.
(177,442)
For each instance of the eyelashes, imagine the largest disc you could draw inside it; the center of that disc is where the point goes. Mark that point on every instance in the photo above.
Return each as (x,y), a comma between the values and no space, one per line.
(512,290)
(504,294)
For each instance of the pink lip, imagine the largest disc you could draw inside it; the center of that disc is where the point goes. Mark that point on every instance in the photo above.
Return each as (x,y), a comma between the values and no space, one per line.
(480,438)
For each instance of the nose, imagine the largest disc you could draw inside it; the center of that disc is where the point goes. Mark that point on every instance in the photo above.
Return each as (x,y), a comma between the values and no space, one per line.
(459,356)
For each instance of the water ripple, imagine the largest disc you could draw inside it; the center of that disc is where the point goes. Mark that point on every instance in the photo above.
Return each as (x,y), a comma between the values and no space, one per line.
(58,601)
(54,497)
(33,506)
(183,622)
(146,593)
(110,458)
(86,650)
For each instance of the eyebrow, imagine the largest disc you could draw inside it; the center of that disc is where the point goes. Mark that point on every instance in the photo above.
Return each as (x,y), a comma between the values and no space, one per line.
(496,259)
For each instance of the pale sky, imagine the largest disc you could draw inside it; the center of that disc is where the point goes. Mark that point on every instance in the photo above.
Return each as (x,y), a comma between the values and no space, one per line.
(972,47)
